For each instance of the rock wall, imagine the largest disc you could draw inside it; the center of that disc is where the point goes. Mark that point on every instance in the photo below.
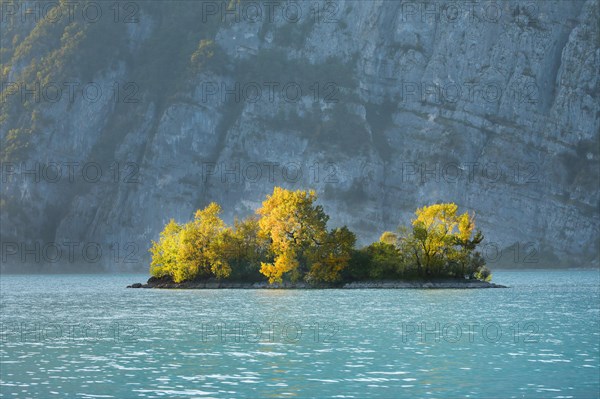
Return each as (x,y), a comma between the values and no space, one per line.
(381,106)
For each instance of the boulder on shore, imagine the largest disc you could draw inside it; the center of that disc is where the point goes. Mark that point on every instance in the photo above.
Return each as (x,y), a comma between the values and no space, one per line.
(136,285)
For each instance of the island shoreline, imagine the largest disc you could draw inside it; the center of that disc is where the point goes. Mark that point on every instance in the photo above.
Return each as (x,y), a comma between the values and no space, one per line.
(372,284)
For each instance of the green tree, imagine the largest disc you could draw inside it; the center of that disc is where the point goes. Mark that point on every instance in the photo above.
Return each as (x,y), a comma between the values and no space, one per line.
(247,249)
(385,261)
(463,256)
(359,265)
(330,258)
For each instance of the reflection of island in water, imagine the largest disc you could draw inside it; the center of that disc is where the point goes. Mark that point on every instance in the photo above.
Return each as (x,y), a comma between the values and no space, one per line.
(287,245)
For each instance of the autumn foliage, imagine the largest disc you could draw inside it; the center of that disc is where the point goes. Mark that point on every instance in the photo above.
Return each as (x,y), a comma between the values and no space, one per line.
(288,240)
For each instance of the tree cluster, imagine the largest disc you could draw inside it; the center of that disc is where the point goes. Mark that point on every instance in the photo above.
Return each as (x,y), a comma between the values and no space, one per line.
(288,240)
(440,243)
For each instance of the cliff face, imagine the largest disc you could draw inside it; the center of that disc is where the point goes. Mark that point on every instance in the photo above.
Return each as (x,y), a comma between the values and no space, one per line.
(380,106)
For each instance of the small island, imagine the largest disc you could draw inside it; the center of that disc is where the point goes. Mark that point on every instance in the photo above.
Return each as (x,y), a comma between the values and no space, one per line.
(287,245)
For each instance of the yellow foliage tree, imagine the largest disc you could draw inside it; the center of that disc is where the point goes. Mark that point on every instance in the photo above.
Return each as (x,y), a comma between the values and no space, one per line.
(164,252)
(196,249)
(436,230)
(202,244)
(389,238)
(293,223)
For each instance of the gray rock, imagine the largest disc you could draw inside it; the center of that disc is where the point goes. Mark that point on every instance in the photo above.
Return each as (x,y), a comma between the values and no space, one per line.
(368,155)
(136,285)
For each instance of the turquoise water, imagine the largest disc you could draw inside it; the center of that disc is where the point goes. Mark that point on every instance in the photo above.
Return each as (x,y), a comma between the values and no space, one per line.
(87,336)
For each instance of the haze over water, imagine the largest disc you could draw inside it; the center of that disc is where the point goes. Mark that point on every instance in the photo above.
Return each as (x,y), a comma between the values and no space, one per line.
(88,336)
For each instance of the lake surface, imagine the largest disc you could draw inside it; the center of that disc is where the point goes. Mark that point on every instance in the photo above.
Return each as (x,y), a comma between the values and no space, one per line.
(87,336)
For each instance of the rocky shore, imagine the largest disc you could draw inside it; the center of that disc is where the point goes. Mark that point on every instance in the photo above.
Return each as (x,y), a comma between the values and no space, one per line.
(215,284)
